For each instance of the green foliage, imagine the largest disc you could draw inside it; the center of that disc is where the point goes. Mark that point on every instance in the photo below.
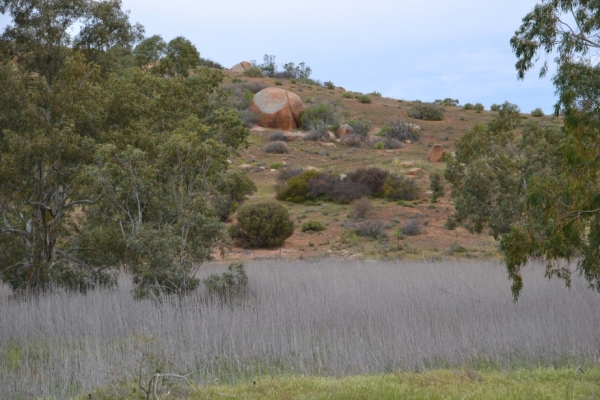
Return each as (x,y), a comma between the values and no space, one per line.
(253,72)
(427,112)
(296,189)
(379,146)
(447,102)
(436,183)
(347,95)
(399,130)
(374,94)
(312,226)
(232,191)
(370,229)
(372,178)
(278,83)
(397,187)
(263,225)
(365,99)
(149,51)
(293,72)
(360,127)
(329,85)
(180,57)
(277,165)
(468,106)
(537,112)
(478,107)
(319,114)
(495,107)
(116,166)
(228,283)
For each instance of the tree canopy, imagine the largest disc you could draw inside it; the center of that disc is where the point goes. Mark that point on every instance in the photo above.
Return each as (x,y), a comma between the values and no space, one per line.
(104,166)
(537,187)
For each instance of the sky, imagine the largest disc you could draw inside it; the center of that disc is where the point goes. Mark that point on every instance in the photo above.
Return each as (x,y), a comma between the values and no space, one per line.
(404,49)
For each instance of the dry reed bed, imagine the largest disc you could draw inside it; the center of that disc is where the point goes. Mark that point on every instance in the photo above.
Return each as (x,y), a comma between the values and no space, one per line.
(330,317)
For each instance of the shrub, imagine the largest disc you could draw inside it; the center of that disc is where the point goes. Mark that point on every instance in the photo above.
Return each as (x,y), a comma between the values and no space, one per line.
(319,114)
(248,117)
(205,62)
(276,147)
(352,140)
(365,99)
(329,85)
(360,127)
(286,173)
(373,178)
(361,208)
(346,191)
(254,72)
(277,165)
(375,94)
(262,225)
(379,146)
(397,187)
(278,83)
(468,106)
(478,107)
(495,107)
(278,137)
(316,132)
(411,228)
(399,130)
(322,186)
(232,191)
(312,226)
(236,80)
(436,183)
(370,229)
(451,223)
(347,95)
(296,189)
(427,112)
(447,102)
(391,144)
(229,283)
(537,112)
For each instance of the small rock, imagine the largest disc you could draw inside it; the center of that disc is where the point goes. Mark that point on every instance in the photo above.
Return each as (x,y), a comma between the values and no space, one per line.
(330,251)
(229,162)
(415,171)
(407,164)
(272,170)
(309,168)
(428,193)
(328,144)
(356,256)
(407,141)
(245,167)
(286,251)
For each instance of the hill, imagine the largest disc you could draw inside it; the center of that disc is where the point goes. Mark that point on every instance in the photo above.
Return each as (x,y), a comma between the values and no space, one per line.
(338,240)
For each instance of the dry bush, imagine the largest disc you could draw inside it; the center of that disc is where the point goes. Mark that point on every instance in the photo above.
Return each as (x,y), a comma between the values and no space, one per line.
(277,147)
(411,228)
(322,185)
(373,178)
(278,136)
(427,112)
(370,229)
(316,132)
(360,127)
(346,191)
(352,140)
(399,130)
(397,187)
(361,208)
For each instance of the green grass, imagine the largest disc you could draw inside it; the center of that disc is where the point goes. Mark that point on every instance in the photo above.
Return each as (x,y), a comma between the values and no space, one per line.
(440,384)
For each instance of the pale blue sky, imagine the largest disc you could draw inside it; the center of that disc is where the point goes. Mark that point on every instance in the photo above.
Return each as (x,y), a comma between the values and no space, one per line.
(405,49)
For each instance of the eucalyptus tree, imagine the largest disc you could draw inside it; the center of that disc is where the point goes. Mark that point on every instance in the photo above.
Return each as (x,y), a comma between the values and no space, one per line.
(103,166)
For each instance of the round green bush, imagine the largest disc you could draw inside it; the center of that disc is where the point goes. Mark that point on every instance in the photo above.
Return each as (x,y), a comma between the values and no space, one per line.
(312,226)
(427,112)
(478,107)
(537,112)
(364,99)
(296,189)
(262,225)
(495,107)
(468,106)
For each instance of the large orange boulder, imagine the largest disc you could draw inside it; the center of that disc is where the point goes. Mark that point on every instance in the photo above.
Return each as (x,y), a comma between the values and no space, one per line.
(436,153)
(277,108)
